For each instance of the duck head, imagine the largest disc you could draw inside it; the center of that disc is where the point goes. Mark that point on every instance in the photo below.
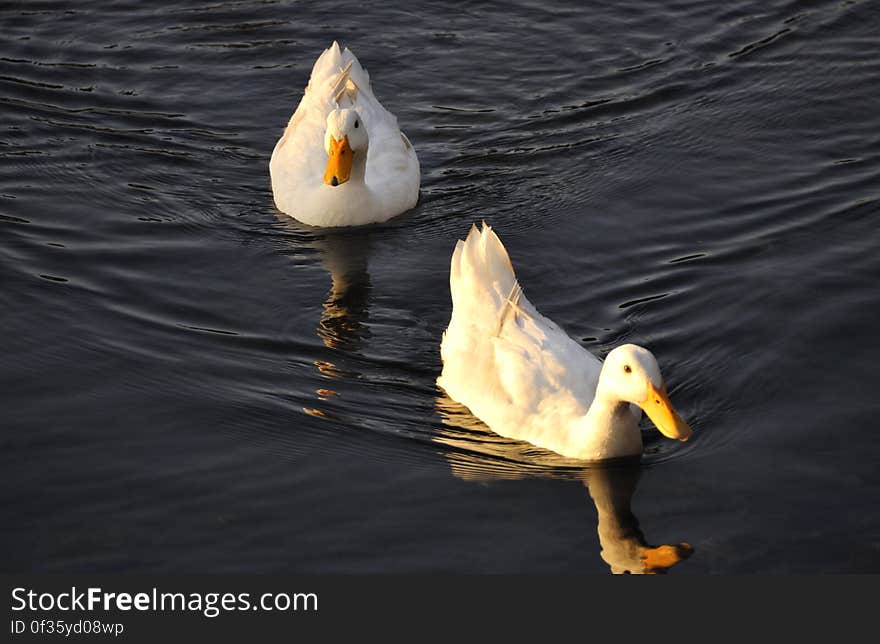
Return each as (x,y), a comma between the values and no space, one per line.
(346,142)
(631,374)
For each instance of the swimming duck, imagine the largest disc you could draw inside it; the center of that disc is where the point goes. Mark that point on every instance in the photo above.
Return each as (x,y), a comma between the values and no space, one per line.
(342,160)
(524,377)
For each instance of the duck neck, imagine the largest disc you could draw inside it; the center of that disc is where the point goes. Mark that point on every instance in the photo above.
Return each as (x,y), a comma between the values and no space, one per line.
(353,201)
(609,429)
(359,167)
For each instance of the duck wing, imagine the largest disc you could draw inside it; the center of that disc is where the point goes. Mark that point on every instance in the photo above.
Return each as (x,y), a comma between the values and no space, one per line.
(512,367)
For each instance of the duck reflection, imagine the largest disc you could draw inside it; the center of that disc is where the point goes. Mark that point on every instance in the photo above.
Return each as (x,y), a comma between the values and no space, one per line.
(342,327)
(624,547)
(480,455)
(346,310)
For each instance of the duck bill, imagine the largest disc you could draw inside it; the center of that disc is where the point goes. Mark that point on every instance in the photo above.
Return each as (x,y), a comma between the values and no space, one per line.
(663,414)
(339,162)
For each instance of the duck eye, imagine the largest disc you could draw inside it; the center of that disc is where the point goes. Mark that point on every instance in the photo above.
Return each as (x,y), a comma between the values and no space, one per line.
(357,124)
(627,368)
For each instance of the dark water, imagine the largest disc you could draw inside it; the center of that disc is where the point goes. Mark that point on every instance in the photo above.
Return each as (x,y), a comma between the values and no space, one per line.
(184,387)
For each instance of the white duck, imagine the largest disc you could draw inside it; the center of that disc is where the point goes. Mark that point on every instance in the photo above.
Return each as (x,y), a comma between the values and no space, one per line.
(525,378)
(342,160)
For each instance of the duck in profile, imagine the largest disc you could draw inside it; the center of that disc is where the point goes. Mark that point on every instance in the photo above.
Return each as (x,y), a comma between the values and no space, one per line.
(342,160)
(524,377)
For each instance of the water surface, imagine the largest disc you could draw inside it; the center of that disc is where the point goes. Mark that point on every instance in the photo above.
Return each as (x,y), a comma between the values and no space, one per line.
(192,381)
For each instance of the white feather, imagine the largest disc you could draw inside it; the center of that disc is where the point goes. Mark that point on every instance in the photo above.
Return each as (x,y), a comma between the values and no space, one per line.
(520,373)
(391,182)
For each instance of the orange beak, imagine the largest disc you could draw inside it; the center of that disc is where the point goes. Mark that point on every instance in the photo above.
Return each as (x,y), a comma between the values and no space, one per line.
(663,415)
(338,162)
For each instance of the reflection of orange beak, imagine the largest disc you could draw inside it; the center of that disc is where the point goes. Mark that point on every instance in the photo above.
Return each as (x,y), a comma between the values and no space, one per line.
(663,415)
(338,162)
(664,557)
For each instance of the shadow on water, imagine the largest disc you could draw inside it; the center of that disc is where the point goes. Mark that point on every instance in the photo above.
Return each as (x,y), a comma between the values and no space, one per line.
(345,313)
(343,323)
(479,455)
(344,253)
(343,326)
